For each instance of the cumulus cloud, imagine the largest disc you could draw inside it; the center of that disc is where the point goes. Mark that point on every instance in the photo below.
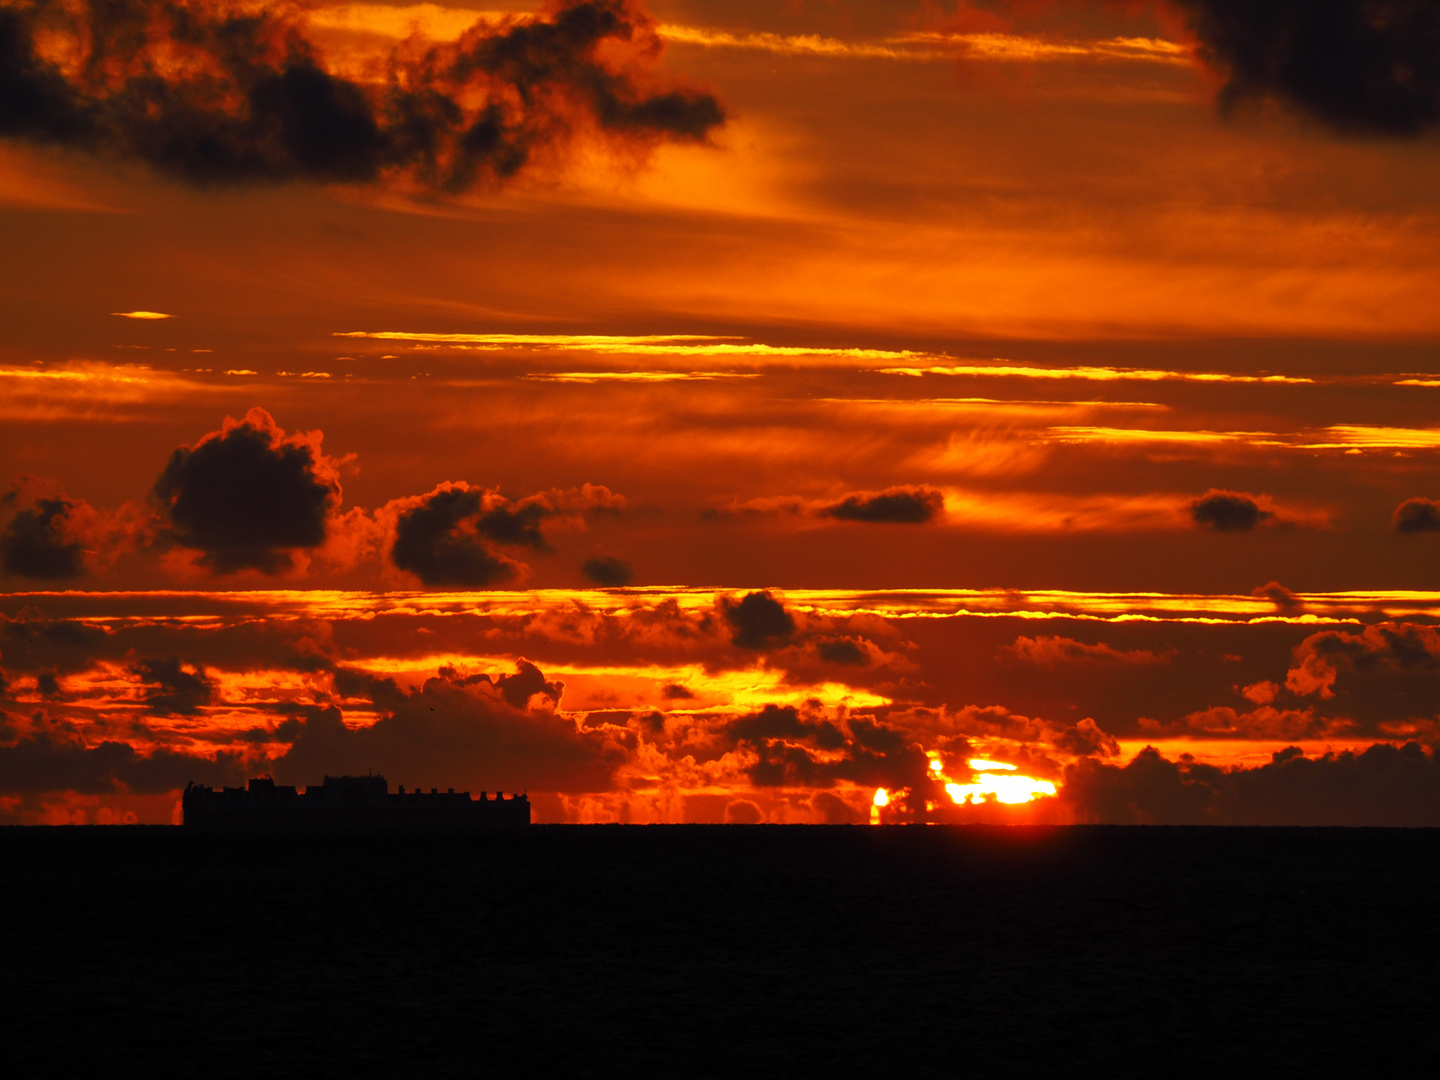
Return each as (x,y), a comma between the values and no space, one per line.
(1387,647)
(1086,739)
(247,496)
(1417,516)
(743,812)
(231,93)
(465,732)
(1360,67)
(46,535)
(37,541)
(1228,511)
(759,621)
(451,535)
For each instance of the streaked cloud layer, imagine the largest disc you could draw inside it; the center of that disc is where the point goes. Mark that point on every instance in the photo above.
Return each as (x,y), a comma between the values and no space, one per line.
(714,412)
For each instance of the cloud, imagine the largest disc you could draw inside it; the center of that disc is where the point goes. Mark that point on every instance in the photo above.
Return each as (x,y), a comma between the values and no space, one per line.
(1417,516)
(228,94)
(1360,67)
(50,759)
(903,505)
(1086,739)
(246,495)
(833,810)
(608,571)
(1228,511)
(845,651)
(898,505)
(743,812)
(449,535)
(1387,647)
(31,642)
(789,747)
(1285,601)
(1058,650)
(46,535)
(1384,786)
(759,621)
(171,689)
(471,732)
(38,541)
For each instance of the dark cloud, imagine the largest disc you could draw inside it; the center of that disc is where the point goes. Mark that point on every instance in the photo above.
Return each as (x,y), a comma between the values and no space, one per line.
(796,750)
(52,760)
(1385,674)
(844,651)
(785,722)
(456,732)
(1228,511)
(676,692)
(833,810)
(1385,785)
(243,496)
(32,642)
(1285,601)
(37,542)
(1086,739)
(898,505)
(171,689)
(1417,516)
(1360,67)
(440,542)
(224,95)
(904,505)
(743,812)
(759,621)
(449,536)
(608,571)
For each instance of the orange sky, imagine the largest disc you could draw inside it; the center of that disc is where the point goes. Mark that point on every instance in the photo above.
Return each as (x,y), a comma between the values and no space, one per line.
(941,380)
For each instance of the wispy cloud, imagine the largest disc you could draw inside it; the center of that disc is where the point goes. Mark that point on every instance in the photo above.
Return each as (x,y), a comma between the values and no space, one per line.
(637,376)
(440,23)
(1000,369)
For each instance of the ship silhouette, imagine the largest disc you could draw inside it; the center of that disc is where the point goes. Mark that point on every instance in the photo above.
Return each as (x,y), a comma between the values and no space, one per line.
(347,804)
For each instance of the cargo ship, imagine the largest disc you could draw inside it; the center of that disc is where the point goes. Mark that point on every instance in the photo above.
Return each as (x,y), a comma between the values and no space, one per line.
(347,804)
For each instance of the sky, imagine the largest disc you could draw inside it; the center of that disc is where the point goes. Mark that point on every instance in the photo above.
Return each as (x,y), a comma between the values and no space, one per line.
(829,411)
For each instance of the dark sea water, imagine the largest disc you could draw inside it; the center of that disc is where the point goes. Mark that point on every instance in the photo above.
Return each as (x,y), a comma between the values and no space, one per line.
(723,951)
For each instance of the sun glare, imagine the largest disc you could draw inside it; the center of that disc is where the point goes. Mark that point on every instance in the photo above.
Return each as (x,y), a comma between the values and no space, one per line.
(985,765)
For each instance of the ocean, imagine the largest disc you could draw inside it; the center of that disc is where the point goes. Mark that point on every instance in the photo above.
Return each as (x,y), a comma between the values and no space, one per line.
(720,951)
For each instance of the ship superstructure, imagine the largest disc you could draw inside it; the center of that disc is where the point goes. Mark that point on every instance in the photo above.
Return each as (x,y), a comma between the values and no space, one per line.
(347,804)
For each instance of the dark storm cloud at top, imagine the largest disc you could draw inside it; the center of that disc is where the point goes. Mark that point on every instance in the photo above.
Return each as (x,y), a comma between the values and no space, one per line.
(237,96)
(1360,67)
(244,495)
